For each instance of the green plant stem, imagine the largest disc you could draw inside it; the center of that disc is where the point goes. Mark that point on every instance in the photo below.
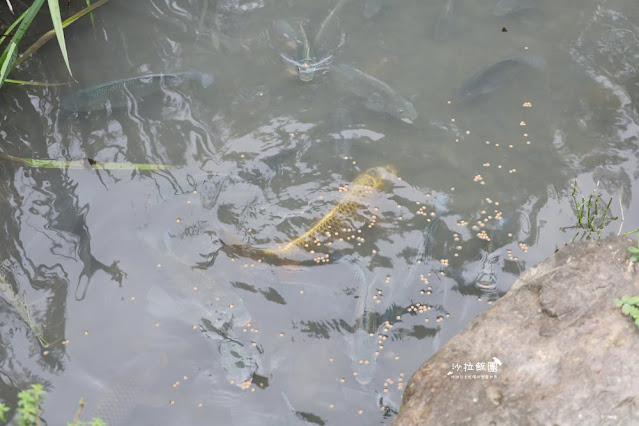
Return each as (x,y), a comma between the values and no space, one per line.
(50,34)
(8,58)
(91,15)
(12,26)
(81,164)
(34,83)
(632,232)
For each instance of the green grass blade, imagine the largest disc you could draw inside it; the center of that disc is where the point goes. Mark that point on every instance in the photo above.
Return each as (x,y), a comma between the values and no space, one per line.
(49,35)
(82,164)
(12,26)
(7,59)
(10,53)
(54,8)
(34,83)
(91,15)
(71,19)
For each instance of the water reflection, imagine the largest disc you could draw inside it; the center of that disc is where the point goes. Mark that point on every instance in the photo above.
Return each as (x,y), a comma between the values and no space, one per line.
(239,324)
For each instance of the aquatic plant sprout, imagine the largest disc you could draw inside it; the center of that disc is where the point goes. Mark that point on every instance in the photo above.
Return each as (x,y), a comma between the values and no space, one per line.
(629,306)
(29,404)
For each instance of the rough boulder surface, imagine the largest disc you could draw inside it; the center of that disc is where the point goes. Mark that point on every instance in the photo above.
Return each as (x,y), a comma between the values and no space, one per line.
(565,354)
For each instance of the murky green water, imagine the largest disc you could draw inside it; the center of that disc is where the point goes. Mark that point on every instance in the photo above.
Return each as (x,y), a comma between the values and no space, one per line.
(164,295)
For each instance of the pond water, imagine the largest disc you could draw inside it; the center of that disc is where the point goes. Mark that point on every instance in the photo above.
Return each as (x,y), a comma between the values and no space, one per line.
(317,240)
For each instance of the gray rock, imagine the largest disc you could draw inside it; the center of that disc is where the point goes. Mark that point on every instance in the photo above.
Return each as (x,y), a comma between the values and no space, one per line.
(567,355)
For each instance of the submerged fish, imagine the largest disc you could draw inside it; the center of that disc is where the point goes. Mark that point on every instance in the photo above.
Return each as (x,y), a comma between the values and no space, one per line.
(316,55)
(238,360)
(506,7)
(137,385)
(443,23)
(349,209)
(500,232)
(117,93)
(306,70)
(305,417)
(497,75)
(364,347)
(409,280)
(378,96)
(331,19)
(200,293)
(188,310)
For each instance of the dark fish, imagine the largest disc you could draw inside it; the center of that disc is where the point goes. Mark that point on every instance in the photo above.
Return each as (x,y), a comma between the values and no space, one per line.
(507,7)
(327,23)
(305,417)
(495,76)
(364,346)
(116,93)
(317,55)
(378,96)
(199,293)
(500,232)
(137,385)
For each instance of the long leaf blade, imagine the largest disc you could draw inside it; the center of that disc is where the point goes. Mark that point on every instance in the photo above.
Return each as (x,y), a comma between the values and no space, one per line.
(10,53)
(49,34)
(12,26)
(54,8)
(91,15)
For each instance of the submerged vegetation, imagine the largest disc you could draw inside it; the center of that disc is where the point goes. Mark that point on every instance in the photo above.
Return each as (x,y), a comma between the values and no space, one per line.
(21,307)
(87,163)
(28,409)
(9,58)
(593,214)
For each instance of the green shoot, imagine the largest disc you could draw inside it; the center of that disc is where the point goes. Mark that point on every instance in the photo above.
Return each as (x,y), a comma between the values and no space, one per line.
(34,83)
(10,53)
(3,412)
(12,26)
(29,405)
(91,15)
(631,232)
(629,306)
(28,409)
(634,253)
(49,35)
(593,214)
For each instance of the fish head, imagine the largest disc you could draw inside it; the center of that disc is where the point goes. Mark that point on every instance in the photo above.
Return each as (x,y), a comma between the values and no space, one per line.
(405,111)
(206,80)
(237,361)
(306,72)
(375,177)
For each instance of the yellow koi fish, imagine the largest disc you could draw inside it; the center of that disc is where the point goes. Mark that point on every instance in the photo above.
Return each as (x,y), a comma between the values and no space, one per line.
(339,221)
